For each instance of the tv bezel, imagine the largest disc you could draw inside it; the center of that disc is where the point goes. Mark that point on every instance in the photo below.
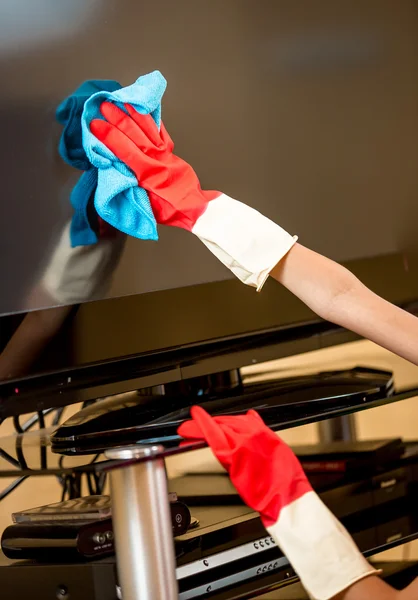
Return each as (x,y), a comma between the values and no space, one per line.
(298,330)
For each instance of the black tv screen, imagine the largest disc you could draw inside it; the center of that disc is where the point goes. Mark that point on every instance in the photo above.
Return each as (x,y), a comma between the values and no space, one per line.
(305,111)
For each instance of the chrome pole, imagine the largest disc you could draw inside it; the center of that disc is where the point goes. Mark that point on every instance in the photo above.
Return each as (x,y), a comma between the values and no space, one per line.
(142,525)
(338,429)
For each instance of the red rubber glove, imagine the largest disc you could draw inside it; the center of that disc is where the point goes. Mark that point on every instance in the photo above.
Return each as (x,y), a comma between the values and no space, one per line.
(264,470)
(269,478)
(173,187)
(245,241)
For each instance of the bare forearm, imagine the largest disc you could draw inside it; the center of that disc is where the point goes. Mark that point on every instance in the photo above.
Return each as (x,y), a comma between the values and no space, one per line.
(376,319)
(338,296)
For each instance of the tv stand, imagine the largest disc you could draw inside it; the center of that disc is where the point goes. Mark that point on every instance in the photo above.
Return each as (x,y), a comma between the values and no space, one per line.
(140,499)
(142,524)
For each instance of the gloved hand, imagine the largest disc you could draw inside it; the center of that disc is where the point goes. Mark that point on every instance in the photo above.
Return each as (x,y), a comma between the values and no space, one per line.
(269,478)
(245,241)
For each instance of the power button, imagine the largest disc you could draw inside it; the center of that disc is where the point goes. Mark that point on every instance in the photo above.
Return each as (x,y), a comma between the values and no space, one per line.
(99,538)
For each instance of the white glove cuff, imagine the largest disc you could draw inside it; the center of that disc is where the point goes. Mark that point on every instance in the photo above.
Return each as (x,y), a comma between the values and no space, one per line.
(243,239)
(319,548)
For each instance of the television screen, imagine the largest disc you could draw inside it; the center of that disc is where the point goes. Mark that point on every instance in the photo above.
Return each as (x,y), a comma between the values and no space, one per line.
(305,111)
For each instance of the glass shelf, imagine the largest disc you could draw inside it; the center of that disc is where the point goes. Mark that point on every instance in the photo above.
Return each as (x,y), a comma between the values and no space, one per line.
(30,454)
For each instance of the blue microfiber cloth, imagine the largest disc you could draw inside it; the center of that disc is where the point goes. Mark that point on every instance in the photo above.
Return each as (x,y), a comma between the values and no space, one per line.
(71,150)
(118,198)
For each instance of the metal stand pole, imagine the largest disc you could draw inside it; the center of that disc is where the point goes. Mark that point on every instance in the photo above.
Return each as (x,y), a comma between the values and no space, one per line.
(338,429)
(142,526)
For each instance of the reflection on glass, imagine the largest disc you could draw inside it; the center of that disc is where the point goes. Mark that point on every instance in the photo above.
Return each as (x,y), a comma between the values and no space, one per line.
(29,340)
(27,24)
(73,276)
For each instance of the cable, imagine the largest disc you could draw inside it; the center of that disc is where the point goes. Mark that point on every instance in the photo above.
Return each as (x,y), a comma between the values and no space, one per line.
(10,488)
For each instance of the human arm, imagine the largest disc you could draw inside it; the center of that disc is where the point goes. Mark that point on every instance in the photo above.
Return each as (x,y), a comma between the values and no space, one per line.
(336,295)
(269,479)
(248,243)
